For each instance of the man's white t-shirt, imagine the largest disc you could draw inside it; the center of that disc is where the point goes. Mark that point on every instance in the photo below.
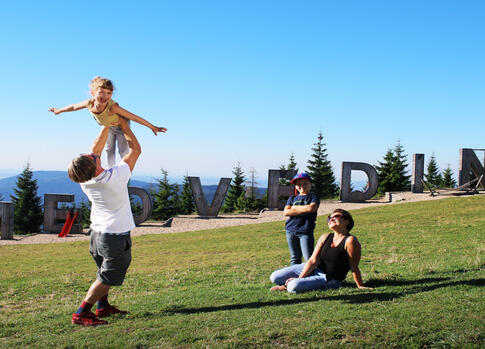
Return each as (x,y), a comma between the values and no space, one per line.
(110,201)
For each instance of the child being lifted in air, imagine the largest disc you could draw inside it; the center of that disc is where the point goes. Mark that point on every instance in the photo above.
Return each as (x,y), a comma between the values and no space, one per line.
(107,113)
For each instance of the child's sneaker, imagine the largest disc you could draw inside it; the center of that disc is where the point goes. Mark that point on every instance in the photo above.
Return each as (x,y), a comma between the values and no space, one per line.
(108,310)
(87,318)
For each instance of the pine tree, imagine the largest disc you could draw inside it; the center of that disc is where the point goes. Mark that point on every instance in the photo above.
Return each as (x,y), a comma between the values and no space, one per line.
(392,172)
(433,176)
(85,212)
(400,168)
(291,166)
(235,189)
(447,180)
(26,204)
(166,202)
(245,204)
(384,171)
(320,169)
(187,205)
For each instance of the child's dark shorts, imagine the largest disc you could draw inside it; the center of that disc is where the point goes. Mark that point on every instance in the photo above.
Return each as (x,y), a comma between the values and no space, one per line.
(112,254)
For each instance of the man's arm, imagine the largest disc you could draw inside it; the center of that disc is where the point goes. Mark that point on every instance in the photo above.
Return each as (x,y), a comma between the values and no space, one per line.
(135,149)
(100,141)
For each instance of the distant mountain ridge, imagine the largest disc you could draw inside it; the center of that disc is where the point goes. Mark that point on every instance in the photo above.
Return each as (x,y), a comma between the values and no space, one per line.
(57,182)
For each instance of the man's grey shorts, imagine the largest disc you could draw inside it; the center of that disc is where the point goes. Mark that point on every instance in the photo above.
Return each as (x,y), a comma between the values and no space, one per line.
(112,254)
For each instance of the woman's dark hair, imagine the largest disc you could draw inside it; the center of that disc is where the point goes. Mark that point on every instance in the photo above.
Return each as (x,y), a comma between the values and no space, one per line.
(346,216)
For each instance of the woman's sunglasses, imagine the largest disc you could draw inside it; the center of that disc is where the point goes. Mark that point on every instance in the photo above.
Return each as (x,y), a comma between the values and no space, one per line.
(329,218)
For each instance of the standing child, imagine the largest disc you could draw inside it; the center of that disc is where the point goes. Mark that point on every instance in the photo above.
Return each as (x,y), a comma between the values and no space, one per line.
(302,212)
(107,113)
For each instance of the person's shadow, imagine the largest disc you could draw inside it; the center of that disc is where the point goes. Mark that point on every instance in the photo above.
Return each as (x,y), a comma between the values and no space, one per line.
(366,296)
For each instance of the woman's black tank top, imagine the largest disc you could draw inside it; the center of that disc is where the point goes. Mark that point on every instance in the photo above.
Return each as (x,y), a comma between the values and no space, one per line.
(334,261)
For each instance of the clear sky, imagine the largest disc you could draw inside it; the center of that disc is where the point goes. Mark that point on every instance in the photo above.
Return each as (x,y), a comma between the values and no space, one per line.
(248,81)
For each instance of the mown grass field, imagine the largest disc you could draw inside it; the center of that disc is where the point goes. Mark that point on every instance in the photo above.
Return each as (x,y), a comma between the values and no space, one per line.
(425,261)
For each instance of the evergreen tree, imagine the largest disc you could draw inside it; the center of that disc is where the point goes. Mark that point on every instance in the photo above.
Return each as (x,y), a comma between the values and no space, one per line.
(245,204)
(400,168)
(320,169)
(187,205)
(384,171)
(166,201)
(26,204)
(85,212)
(447,180)
(392,172)
(433,175)
(235,189)
(291,166)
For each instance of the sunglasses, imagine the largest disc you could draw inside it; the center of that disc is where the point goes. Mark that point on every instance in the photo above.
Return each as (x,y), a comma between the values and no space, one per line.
(329,218)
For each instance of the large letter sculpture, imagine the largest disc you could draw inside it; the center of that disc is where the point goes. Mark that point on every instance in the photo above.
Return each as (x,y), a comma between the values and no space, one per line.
(358,196)
(55,218)
(6,220)
(146,204)
(418,172)
(203,209)
(469,162)
(275,189)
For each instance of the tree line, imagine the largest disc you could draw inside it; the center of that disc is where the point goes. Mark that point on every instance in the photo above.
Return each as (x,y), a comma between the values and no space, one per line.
(171,199)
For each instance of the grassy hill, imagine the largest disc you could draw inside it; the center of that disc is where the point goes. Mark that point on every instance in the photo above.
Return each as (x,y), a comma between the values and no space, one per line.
(209,288)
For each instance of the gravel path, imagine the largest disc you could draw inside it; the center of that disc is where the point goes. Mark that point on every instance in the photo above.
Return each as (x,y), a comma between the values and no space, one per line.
(191,223)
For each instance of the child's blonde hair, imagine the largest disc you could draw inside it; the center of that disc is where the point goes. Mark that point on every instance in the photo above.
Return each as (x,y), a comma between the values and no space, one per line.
(99,82)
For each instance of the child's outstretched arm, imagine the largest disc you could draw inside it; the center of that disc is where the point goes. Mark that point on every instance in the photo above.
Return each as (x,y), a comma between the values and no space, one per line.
(71,107)
(125,113)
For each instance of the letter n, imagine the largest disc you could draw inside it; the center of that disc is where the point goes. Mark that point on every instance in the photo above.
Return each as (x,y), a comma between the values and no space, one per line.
(469,162)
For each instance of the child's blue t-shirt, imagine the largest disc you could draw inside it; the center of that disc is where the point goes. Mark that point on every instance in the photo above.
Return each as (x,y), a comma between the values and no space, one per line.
(304,223)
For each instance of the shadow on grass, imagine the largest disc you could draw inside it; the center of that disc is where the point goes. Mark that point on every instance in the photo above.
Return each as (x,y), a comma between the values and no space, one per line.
(369,296)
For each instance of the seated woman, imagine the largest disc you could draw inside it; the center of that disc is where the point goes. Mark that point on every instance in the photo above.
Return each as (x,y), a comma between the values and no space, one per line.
(335,254)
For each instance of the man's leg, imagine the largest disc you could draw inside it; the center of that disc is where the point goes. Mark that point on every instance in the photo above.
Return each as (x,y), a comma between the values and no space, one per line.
(84,316)
(96,291)
(116,252)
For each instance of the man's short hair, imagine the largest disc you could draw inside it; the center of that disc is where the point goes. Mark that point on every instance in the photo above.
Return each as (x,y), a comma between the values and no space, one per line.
(81,169)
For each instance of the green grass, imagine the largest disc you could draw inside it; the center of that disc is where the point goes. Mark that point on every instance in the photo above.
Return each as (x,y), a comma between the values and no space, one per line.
(425,261)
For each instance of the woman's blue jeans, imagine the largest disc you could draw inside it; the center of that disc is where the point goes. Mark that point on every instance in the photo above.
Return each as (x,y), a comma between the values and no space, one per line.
(300,244)
(315,281)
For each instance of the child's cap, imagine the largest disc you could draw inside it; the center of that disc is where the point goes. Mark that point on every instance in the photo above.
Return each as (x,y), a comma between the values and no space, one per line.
(302,175)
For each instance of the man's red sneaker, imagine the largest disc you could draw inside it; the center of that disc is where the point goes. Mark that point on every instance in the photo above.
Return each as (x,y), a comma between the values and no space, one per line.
(108,310)
(87,318)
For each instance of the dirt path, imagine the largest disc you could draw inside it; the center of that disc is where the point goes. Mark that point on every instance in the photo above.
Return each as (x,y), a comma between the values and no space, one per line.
(191,223)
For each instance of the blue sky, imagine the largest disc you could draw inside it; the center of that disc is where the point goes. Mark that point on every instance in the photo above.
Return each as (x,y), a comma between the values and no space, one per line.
(248,81)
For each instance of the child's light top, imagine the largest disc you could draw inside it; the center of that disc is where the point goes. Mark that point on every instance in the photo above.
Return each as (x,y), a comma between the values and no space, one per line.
(105,118)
